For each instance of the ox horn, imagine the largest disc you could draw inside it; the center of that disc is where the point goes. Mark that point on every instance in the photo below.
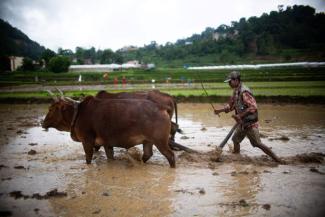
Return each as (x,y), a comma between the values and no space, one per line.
(65,97)
(55,98)
(60,91)
(71,100)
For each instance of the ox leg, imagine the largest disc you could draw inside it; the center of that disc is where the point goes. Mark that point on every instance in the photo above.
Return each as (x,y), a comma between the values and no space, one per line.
(96,148)
(88,148)
(173,130)
(168,153)
(147,152)
(109,152)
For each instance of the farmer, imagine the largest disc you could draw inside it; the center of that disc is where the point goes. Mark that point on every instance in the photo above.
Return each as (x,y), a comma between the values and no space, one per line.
(115,82)
(244,104)
(124,81)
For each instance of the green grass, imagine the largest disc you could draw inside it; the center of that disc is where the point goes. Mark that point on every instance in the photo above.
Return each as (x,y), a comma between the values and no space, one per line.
(294,88)
(284,82)
(304,92)
(160,75)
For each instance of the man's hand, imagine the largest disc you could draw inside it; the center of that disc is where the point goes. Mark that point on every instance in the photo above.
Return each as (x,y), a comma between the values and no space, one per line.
(218,111)
(237,118)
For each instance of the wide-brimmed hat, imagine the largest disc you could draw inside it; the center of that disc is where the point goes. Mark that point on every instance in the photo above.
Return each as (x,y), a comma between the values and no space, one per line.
(233,75)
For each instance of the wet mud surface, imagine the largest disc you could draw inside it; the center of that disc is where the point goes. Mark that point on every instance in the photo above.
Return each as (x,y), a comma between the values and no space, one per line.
(44,173)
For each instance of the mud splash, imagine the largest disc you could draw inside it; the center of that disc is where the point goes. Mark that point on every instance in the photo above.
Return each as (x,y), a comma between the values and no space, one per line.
(218,157)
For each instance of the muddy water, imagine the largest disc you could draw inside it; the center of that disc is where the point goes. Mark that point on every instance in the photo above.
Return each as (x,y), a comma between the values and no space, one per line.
(246,185)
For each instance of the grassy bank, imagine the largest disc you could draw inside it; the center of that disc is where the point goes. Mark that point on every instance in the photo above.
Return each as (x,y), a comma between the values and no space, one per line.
(272,84)
(294,91)
(160,76)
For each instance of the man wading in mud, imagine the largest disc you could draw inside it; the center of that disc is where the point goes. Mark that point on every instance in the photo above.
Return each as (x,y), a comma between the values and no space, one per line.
(244,104)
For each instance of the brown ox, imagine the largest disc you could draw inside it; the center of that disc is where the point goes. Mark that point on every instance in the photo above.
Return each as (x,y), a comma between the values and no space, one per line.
(161,99)
(120,123)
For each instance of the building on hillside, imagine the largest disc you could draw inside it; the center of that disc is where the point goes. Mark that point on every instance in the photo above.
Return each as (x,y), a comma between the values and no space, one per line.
(216,35)
(128,48)
(74,60)
(133,64)
(150,66)
(15,62)
(88,61)
(233,34)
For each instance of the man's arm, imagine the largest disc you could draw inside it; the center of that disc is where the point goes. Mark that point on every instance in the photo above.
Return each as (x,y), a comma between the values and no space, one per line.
(218,111)
(227,108)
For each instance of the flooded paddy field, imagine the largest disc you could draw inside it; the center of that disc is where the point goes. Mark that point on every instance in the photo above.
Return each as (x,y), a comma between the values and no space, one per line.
(45,174)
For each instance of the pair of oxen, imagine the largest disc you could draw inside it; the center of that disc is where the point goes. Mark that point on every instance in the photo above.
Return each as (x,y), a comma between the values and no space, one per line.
(117,120)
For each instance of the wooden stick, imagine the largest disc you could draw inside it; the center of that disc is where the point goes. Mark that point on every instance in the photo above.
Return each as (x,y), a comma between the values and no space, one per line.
(181,147)
(223,143)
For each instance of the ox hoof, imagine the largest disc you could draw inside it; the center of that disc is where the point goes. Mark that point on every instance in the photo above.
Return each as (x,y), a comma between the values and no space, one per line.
(110,159)
(173,166)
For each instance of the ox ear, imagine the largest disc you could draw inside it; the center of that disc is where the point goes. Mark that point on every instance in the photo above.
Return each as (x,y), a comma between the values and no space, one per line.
(54,97)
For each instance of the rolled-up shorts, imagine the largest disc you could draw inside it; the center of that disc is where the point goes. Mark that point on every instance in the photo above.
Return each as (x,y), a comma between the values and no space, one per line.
(252,134)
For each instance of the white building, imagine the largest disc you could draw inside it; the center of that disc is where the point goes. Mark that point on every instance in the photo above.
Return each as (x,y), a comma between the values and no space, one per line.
(15,62)
(216,35)
(104,67)
(94,68)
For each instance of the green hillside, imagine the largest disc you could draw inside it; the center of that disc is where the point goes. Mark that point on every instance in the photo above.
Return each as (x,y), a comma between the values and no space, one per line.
(14,42)
(294,34)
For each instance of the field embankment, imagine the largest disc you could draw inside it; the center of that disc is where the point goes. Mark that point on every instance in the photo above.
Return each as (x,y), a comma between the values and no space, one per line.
(298,85)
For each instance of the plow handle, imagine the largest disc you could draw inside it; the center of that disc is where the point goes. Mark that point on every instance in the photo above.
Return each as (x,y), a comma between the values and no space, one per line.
(223,143)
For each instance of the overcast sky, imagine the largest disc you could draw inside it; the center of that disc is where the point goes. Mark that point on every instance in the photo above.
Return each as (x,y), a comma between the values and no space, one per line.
(117,23)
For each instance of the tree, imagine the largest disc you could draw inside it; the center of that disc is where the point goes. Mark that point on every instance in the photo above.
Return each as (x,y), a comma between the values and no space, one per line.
(28,64)
(79,55)
(118,58)
(4,64)
(47,55)
(265,44)
(107,57)
(221,29)
(65,52)
(90,54)
(59,64)
(207,33)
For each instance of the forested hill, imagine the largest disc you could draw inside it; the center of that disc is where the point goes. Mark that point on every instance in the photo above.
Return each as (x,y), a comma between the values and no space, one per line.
(294,34)
(16,43)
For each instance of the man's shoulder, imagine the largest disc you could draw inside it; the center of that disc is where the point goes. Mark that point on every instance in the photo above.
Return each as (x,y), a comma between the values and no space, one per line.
(244,88)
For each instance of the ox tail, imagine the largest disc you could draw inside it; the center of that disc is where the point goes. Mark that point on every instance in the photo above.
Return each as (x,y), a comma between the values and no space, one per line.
(175,105)
(176,118)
